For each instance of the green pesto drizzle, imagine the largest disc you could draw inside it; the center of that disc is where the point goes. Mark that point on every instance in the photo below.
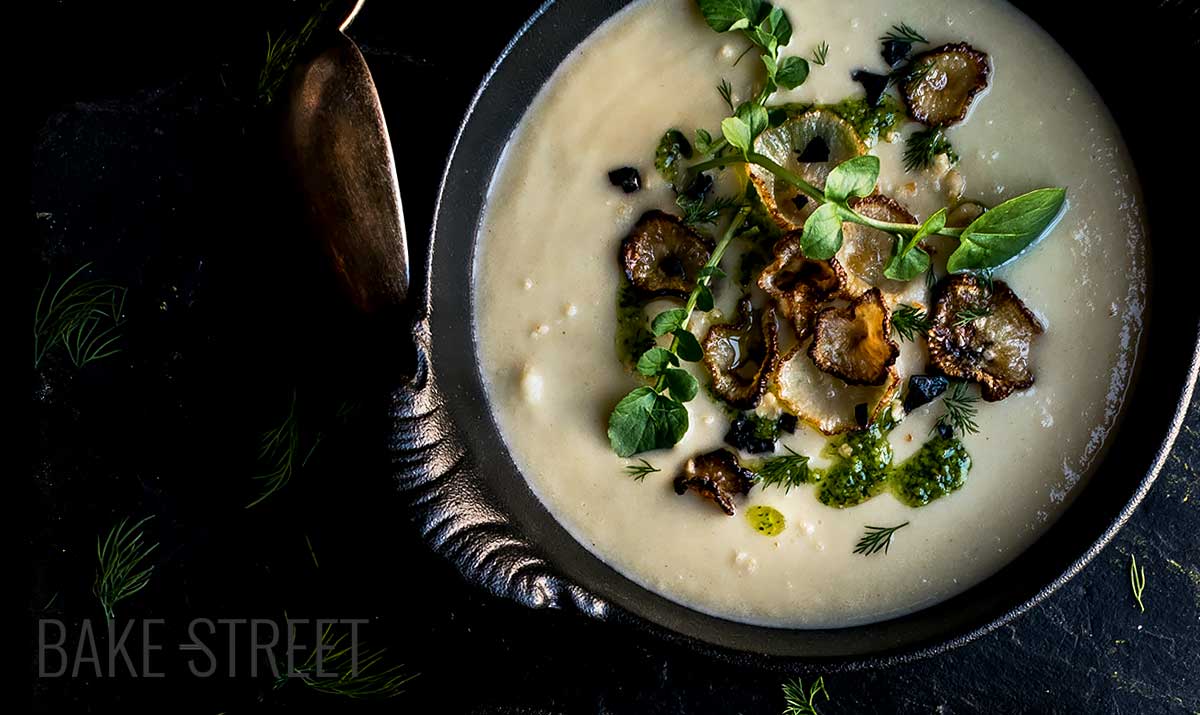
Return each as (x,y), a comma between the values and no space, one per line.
(766,520)
(861,467)
(871,123)
(633,336)
(938,468)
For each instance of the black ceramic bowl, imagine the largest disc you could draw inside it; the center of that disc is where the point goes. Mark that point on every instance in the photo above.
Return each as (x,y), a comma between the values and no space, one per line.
(475,506)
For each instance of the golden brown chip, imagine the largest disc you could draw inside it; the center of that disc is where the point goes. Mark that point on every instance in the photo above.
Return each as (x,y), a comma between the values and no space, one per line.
(741,355)
(865,251)
(982,333)
(662,256)
(717,476)
(854,342)
(799,285)
(810,144)
(824,401)
(942,83)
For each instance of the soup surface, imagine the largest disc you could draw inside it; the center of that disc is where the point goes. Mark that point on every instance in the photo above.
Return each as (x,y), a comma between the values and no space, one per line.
(547,274)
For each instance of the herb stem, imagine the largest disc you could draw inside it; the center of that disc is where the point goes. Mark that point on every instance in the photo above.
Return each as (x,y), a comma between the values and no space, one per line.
(812,192)
(713,261)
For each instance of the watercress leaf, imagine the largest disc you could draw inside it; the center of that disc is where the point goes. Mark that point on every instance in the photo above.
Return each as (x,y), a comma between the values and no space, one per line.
(773,32)
(711,272)
(908,265)
(853,177)
(726,15)
(668,321)
(772,67)
(704,298)
(682,386)
(655,362)
(792,72)
(704,141)
(644,420)
(822,235)
(687,347)
(737,133)
(755,116)
(1004,232)
(936,222)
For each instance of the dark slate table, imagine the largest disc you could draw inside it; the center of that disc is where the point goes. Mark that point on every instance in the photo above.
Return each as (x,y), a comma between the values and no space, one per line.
(151,161)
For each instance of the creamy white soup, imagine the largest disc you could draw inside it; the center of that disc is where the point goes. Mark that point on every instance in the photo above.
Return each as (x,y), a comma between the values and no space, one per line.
(547,275)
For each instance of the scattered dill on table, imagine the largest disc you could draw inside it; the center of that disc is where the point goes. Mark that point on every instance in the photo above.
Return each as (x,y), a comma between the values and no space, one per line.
(82,317)
(346,668)
(120,573)
(798,700)
(282,50)
(280,451)
(1137,580)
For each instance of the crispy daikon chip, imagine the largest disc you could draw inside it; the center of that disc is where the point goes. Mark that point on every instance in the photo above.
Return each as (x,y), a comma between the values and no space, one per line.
(983,333)
(826,402)
(942,83)
(854,342)
(799,285)
(865,252)
(717,476)
(810,144)
(662,256)
(741,355)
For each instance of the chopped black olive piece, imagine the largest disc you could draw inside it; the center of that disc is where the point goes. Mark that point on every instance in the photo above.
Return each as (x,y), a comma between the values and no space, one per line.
(753,433)
(799,201)
(895,51)
(698,189)
(799,285)
(716,476)
(662,256)
(923,389)
(816,150)
(788,423)
(854,342)
(941,83)
(785,144)
(862,414)
(741,355)
(944,430)
(627,178)
(990,347)
(873,84)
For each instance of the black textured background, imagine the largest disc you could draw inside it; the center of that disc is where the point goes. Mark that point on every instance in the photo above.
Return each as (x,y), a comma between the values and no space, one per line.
(149,160)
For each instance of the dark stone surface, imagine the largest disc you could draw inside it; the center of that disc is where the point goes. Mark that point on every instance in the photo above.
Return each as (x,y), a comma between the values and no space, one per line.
(149,161)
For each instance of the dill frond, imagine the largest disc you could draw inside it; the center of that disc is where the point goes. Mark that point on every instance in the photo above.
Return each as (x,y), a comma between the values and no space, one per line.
(921,148)
(876,539)
(821,54)
(799,701)
(83,317)
(909,322)
(961,410)
(787,471)
(640,471)
(120,574)
(364,675)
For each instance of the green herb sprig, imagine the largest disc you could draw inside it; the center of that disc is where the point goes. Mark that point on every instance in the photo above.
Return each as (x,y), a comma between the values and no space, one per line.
(786,471)
(280,452)
(343,669)
(121,571)
(876,539)
(83,317)
(639,472)
(820,54)
(922,147)
(799,701)
(654,417)
(909,322)
(970,314)
(1137,580)
(961,410)
(904,33)
(282,50)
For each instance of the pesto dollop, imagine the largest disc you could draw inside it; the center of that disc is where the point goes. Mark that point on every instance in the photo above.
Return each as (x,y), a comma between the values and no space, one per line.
(860,467)
(938,468)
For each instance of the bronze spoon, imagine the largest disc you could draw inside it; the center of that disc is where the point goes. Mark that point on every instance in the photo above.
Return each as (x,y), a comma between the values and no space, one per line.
(337,141)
